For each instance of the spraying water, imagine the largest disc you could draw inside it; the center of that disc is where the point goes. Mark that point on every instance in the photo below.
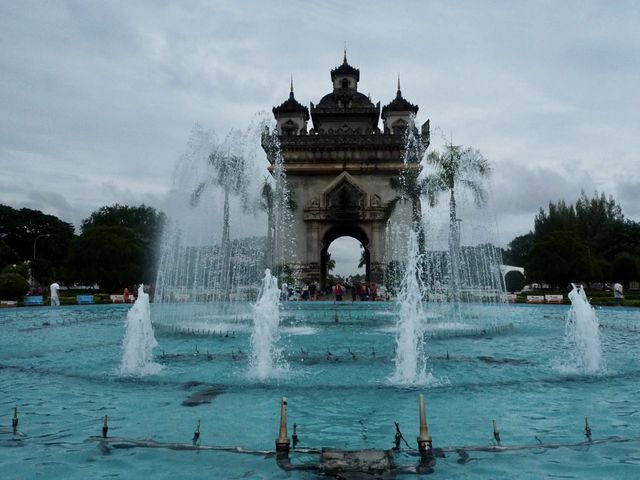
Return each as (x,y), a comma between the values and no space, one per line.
(410,358)
(265,360)
(582,335)
(139,340)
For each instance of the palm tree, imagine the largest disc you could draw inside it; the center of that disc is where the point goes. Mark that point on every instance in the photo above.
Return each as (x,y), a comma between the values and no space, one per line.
(229,174)
(331,263)
(267,204)
(270,198)
(363,258)
(455,167)
(410,189)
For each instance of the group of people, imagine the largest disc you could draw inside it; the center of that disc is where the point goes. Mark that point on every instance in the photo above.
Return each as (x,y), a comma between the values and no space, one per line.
(54,290)
(362,291)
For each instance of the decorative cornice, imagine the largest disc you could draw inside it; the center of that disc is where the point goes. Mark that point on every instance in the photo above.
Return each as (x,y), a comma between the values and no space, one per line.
(353,168)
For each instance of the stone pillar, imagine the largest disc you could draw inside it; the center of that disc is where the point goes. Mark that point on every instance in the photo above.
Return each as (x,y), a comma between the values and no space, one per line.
(311,267)
(376,253)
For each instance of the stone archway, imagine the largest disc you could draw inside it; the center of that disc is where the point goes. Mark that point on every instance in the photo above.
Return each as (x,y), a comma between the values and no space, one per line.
(342,207)
(334,232)
(339,170)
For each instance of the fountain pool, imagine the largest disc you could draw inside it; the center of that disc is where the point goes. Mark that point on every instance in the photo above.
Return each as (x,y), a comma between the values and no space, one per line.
(60,368)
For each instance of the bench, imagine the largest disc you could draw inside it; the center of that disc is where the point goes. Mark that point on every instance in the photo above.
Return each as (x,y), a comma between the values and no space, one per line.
(84,299)
(8,303)
(554,299)
(512,298)
(535,298)
(117,298)
(33,300)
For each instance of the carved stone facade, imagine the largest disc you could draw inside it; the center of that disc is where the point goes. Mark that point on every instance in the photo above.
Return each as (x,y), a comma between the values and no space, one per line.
(339,170)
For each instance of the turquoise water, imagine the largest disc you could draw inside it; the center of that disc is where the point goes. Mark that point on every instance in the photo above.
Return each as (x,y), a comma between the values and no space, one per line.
(59,367)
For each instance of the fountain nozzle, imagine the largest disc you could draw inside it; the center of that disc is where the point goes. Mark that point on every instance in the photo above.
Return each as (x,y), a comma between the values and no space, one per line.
(587,429)
(105,426)
(196,433)
(425,442)
(398,437)
(294,437)
(496,433)
(282,442)
(14,422)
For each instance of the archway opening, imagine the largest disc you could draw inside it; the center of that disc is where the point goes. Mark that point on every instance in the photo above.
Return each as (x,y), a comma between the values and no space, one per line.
(344,256)
(347,260)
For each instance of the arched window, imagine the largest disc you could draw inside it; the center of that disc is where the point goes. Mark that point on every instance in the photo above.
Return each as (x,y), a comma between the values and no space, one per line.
(345,83)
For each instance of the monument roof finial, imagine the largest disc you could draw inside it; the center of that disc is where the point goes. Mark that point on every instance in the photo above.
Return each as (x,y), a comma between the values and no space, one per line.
(399,104)
(291,105)
(345,68)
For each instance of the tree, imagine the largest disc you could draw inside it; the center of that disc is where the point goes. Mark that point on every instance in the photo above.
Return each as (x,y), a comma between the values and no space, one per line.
(8,256)
(331,263)
(267,204)
(147,221)
(363,258)
(514,281)
(559,258)
(625,268)
(117,247)
(12,286)
(229,174)
(596,223)
(519,249)
(409,189)
(455,167)
(111,256)
(32,233)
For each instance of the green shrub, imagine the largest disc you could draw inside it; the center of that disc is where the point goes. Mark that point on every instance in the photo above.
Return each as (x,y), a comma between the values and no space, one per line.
(12,286)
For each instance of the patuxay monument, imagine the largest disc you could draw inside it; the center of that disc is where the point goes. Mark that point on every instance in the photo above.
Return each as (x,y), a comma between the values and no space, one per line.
(339,169)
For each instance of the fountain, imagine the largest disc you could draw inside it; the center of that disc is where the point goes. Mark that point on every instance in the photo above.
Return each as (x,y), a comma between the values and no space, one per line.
(265,360)
(410,361)
(352,361)
(582,336)
(139,340)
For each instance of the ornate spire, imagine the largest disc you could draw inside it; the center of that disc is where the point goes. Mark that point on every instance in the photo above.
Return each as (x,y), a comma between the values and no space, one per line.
(345,68)
(291,105)
(399,104)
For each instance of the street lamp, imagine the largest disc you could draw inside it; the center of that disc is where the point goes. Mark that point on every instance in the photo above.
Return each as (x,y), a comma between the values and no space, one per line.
(36,240)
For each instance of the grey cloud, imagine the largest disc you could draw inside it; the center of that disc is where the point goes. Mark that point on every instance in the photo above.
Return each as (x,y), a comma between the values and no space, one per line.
(627,194)
(99,98)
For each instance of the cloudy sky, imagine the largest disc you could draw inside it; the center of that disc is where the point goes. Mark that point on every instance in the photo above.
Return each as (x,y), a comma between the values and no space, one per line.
(98,98)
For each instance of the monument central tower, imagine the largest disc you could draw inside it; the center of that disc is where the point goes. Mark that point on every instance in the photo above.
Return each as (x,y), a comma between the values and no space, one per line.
(339,170)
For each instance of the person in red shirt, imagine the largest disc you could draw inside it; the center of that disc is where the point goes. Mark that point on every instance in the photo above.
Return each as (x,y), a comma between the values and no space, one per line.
(374,291)
(339,292)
